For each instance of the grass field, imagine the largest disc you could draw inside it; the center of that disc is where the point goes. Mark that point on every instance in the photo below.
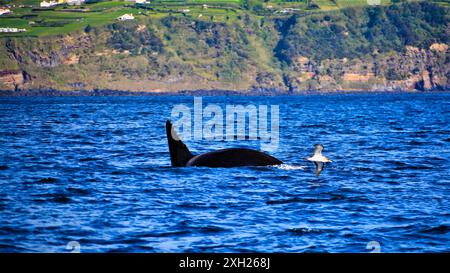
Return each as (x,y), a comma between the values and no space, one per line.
(52,22)
(64,19)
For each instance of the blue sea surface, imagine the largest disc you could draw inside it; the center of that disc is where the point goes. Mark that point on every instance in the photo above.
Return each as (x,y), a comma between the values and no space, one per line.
(96,170)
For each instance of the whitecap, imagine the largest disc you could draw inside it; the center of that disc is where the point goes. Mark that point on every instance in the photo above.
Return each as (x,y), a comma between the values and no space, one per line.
(290,167)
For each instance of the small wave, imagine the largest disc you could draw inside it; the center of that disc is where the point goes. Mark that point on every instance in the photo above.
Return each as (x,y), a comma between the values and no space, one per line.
(168,234)
(133,248)
(288,167)
(87,159)
(52,197)
(416,143)
(283,201)
(3,168)
(196,205)
(396,163)
(436,159)
(47,180)
(305,230)
(335,197)
(12,248)
(119,173)
(362,169)
(78,191)
(313,126)
(212,229)
(63,199)
(155,190)
(245,178)
(417,167)
(442,229)
(118,132)
(300,231)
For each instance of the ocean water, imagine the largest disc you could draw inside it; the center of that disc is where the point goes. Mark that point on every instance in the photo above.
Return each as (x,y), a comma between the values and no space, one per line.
(94,173)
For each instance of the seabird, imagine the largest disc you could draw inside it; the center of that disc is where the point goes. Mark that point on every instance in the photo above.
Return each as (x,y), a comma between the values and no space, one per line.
(319,159)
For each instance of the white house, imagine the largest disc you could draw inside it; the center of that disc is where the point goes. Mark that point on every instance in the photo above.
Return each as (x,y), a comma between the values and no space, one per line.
(286,10)
(4,11)
(45,4)
(12,29)
(139,1)
(125,17)
(75,2)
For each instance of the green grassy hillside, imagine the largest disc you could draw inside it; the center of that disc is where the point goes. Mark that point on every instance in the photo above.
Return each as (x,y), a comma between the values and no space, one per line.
(395,46)
(64,19)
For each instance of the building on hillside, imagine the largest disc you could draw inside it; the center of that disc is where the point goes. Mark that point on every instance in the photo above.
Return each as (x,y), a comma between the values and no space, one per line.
(75,2)
(139,1)
(4,11)
(49,4)
(125,17)
(286,10)
(11,29)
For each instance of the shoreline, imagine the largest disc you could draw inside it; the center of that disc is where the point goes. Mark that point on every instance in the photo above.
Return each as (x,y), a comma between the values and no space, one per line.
(267,93)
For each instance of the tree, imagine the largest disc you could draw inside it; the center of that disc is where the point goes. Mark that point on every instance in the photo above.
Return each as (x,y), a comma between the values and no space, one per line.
(88,29)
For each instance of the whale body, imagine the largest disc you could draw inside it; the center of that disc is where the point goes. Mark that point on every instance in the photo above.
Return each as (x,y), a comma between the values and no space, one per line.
(180,156)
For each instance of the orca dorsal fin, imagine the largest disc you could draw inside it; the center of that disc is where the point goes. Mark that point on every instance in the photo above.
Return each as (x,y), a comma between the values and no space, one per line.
(179,152)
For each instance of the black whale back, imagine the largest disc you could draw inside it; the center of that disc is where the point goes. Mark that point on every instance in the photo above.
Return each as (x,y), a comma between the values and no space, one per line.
(180,155)
(234,157)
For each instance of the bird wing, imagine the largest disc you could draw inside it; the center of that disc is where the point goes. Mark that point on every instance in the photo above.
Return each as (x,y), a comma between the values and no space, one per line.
(318,148)
(319,167)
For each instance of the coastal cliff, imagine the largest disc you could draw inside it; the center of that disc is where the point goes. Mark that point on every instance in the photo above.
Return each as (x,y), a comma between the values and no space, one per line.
(397,47)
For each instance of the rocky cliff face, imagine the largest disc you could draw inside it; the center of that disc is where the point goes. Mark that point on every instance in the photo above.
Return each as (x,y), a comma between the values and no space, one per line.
(401,47)
(415,69)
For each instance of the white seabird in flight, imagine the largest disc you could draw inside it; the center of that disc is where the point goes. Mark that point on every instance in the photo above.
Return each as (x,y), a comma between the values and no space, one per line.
(318,159)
